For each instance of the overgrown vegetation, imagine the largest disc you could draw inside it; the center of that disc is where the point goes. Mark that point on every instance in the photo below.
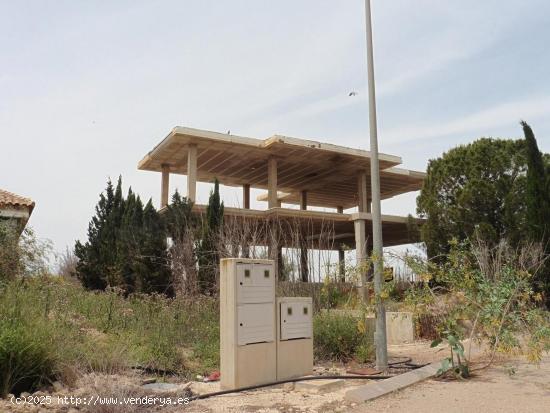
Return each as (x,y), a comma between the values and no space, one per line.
(341,337)
(485,293)
(52,329)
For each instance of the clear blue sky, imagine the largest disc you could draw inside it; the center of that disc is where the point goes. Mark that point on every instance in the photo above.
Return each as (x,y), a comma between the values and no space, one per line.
(88,87)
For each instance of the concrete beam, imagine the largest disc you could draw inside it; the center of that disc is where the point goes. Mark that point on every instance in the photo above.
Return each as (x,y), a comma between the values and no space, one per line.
(165,185)
(192,172)
(272,201)
(380,388)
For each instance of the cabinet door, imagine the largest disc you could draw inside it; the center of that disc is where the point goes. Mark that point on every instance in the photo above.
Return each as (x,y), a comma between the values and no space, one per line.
(296,320)
(255,323)
(255,283)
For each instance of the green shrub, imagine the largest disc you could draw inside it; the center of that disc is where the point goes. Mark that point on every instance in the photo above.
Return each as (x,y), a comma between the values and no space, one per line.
(341,337)
(334,295)
(26,361)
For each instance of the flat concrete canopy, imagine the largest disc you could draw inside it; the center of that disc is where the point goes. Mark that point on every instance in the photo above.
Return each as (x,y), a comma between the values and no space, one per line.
(327,172)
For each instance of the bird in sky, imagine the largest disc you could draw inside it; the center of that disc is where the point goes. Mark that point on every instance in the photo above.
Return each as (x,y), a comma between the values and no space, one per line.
(352,93)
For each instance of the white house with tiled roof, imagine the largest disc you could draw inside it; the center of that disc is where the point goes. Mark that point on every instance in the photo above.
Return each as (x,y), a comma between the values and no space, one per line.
(16,208)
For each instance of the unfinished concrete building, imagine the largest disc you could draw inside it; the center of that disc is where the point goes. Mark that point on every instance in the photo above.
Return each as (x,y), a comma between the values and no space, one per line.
(317,194)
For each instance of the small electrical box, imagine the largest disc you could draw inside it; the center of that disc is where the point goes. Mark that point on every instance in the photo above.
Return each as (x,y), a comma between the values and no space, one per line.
(248,352)
(294,337)
(296,318)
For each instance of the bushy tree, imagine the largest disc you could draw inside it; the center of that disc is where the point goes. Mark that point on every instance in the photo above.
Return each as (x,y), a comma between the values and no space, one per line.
(477,188)
(126,246)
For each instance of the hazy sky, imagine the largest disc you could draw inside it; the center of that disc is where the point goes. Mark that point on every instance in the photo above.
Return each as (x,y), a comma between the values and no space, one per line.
(89,87)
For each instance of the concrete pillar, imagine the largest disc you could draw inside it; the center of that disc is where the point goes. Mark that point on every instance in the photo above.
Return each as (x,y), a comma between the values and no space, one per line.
(246,196)
(362,191)
(303,200)
(192,172)
(272,182)
(246,204)
(359,220)
(272,202)
(341,255)
(304,268)
(342,264)
(164,189)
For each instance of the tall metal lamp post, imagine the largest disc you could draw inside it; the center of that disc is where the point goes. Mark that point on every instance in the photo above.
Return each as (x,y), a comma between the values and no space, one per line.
(380,334)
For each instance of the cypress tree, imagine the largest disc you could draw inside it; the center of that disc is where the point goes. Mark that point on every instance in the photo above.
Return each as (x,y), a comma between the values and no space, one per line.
(179,217)
(128,243)
(92,267)
(537,199)
(154,274)
(537,194)
(208,255)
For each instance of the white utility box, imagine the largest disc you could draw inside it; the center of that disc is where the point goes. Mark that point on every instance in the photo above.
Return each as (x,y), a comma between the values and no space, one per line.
(294,337)
(248,350)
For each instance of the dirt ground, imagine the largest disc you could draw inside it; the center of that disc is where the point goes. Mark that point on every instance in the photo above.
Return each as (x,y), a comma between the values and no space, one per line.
(510,386)
(491,391)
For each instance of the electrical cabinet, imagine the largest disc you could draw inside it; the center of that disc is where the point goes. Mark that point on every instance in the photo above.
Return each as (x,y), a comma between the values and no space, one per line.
(294,337)
(248,353)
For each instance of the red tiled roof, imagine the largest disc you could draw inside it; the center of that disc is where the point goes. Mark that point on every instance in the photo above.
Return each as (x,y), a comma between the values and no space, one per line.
(11,199)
